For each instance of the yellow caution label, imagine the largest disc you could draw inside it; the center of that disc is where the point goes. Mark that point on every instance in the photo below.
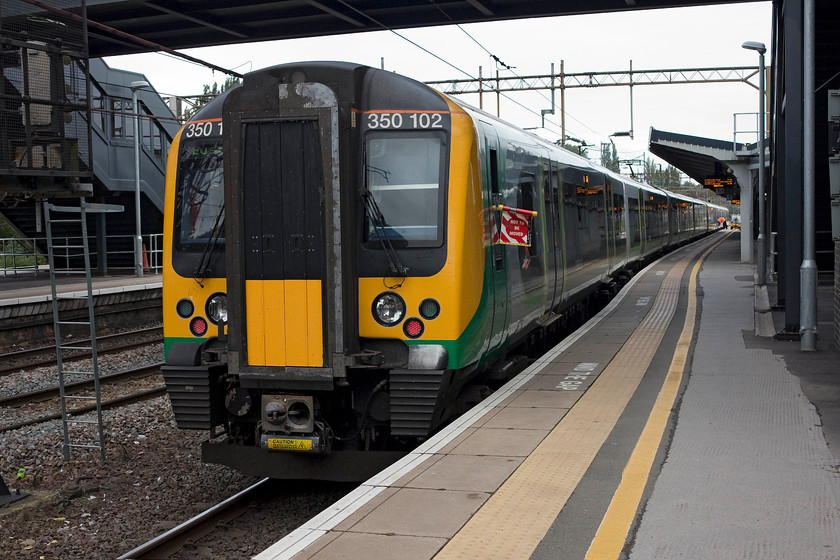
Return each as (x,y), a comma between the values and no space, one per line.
(287,444)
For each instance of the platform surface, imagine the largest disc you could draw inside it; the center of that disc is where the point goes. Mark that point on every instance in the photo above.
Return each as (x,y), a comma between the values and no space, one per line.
(30,288)
(653,432)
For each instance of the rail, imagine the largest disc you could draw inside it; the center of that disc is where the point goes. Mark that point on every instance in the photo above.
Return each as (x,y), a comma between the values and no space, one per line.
(22,255)
(193,527)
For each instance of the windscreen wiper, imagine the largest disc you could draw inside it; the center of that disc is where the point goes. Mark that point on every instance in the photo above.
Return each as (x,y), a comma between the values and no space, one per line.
(374,214)
(202,270)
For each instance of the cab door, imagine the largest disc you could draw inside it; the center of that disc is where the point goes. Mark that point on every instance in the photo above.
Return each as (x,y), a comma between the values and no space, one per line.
(496,269)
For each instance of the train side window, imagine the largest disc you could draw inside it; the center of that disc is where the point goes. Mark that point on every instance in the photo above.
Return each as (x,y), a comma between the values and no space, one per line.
(530,201)
(522,190)
(549,202)
(530,257)
(571,219)
(494,171)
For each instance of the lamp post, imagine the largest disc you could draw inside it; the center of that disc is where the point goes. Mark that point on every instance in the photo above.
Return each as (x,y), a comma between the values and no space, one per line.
(761,242)
(808,269)
(138,239)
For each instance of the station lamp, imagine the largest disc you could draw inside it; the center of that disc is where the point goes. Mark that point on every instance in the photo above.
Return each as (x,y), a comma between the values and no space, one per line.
(138,239)
(761,242)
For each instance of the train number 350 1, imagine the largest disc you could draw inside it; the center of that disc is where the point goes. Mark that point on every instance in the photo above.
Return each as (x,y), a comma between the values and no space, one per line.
(203,129)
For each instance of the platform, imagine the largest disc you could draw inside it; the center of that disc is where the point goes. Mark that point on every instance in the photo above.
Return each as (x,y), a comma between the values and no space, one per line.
(26,309)
(664,428)
(28,288)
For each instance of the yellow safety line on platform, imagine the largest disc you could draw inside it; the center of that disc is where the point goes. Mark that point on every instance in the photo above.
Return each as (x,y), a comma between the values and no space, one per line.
(611,535)
(515,519)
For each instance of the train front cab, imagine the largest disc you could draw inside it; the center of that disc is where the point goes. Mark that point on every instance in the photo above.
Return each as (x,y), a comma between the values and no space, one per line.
(353,288)
(194,299)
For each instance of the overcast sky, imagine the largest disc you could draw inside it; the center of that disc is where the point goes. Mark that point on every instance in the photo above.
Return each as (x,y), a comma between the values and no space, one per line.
(701,37)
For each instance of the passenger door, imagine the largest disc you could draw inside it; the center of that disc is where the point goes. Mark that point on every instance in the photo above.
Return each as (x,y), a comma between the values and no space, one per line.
(553,222)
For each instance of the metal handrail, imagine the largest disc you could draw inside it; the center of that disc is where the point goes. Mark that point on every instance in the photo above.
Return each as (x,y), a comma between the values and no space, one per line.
(735,131)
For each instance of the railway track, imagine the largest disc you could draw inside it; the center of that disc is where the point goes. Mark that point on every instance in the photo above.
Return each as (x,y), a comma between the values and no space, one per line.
(27,325)
(106,405)
(53,392)
(186,535)
(12,362)
(133,396)
(226,530)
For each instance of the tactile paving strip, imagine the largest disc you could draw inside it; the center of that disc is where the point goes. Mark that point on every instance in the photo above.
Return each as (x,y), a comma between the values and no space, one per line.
(612,534)
(515,519)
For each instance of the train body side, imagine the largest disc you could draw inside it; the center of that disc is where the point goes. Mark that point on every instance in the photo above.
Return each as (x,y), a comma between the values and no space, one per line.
(340,279)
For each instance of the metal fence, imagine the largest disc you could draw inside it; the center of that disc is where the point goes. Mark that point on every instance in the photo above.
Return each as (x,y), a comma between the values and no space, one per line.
(20,255)
(23,256)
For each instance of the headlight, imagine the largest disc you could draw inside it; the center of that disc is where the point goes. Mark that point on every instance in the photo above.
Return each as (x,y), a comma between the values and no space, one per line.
(388,309)
(216,308)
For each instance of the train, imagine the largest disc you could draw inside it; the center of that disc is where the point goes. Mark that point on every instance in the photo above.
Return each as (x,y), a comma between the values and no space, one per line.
(352,259)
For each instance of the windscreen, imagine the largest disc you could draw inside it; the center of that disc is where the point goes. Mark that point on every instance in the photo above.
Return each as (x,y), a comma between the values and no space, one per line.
(199,200)
(404,176)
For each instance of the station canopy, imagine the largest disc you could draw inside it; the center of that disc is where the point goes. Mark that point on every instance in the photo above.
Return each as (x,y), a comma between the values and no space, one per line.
(181,24)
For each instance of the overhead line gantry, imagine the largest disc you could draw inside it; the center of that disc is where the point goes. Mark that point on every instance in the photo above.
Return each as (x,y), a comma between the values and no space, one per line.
(563,81)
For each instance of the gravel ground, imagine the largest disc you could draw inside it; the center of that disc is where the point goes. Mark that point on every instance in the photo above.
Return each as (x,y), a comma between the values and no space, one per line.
(153,480)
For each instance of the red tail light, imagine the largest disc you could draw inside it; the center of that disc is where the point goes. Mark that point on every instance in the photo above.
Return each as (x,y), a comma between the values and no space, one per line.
(413,327)
(198,326)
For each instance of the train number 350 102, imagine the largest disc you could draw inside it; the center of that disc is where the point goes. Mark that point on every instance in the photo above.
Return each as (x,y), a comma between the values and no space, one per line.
(405,120)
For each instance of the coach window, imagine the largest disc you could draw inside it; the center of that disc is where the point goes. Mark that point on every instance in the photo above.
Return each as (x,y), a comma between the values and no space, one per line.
(404,176)
(634,226)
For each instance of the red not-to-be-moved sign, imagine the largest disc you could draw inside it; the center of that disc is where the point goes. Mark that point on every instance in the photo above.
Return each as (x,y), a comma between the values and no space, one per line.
(515,227)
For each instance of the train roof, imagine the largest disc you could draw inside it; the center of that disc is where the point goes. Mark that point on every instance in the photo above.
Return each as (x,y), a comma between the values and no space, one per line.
(570,157)
(343,75)
(212,110)
(684,198)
